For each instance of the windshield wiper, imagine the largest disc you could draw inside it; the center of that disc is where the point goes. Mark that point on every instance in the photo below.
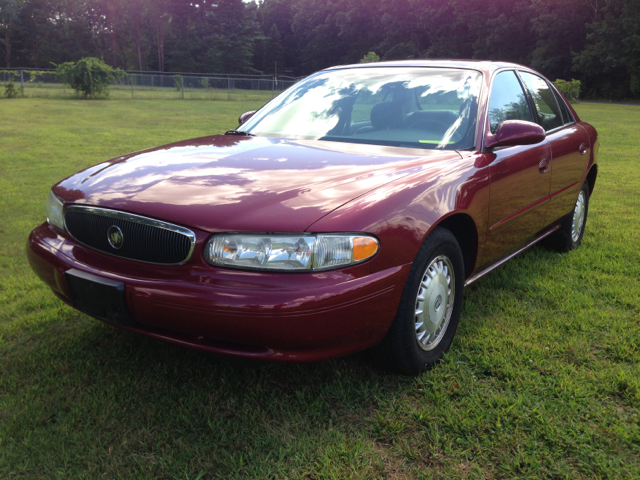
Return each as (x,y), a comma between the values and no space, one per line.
(239,132)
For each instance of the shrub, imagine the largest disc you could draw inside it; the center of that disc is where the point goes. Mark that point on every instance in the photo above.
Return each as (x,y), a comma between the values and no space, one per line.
(370,58)
(571,90)
(204,83)
(90,76)
(10,90)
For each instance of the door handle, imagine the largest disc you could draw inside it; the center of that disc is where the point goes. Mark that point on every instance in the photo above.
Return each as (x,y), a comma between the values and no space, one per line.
(583,149)
(543,166)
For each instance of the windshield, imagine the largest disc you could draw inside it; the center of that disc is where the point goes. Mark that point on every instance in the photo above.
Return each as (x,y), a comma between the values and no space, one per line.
(407,107)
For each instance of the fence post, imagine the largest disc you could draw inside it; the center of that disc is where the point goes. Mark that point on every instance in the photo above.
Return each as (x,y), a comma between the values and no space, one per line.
(182,85)
(228,88)
(131,83)
(22,81)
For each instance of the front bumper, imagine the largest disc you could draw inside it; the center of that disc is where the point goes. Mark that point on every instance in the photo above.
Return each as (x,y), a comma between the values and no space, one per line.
(295,317)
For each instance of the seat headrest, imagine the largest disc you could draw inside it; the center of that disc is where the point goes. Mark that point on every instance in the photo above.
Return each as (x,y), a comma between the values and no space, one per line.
(386,115)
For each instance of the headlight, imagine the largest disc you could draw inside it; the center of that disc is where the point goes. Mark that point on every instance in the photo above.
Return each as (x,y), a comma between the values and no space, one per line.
(302,251)
(54,211)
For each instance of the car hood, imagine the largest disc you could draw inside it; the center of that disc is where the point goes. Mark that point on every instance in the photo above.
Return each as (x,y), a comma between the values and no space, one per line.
(233,183)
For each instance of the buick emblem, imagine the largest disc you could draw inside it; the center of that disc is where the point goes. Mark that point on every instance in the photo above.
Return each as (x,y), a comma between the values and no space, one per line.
(436,306)
(115,237)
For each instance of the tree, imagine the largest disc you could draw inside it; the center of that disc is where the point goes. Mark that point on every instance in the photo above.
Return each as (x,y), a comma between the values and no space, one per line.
(235,32)
(507,33)
(274,51)
(596,41)
(360,28)
(57,31)
(560,30)
(402,51)
(610,62)
(279,13)
(111,36)
(9,20)
(399,28)
(136,19)
(318,35)
(159,18)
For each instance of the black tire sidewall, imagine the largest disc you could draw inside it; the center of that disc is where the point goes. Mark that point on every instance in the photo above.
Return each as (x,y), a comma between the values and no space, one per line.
(561,240)
(576,244)
(440,242)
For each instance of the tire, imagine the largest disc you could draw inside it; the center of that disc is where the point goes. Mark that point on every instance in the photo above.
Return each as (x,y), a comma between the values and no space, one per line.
(417,341)
(569,236)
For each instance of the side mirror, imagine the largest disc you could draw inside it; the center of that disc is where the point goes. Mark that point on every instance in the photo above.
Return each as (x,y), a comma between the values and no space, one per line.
(245,116)
(515,132)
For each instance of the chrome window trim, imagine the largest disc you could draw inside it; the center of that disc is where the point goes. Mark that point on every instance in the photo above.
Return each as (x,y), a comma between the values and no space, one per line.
(135,219)
(561,127)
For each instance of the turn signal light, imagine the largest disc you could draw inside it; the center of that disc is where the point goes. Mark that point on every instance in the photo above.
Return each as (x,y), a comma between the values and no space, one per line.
(363,248)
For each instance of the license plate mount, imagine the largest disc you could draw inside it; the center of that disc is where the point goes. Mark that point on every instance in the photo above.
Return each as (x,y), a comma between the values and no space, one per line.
(98,297)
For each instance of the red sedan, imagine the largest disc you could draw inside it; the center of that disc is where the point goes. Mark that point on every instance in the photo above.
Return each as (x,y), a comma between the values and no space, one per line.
(349,212)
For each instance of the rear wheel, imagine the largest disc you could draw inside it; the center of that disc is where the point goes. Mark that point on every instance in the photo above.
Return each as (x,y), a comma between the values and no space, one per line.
(569,235)
(429,311)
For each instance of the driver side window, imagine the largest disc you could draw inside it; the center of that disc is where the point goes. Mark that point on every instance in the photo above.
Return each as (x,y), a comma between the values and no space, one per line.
(508,101)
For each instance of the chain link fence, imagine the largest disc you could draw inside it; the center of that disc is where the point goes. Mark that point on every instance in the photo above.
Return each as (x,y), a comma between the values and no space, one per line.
(154,85)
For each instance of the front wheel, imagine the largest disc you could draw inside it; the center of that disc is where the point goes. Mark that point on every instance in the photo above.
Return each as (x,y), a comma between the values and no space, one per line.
(430,307)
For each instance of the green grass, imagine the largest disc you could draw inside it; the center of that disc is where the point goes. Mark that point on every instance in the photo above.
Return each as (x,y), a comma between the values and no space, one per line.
(542,381)
(118,92)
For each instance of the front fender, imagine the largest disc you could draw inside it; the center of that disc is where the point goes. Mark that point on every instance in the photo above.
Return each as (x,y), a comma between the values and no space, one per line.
(403,213)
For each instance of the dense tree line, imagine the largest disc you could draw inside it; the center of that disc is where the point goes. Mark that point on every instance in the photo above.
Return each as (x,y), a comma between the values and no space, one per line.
(596,41)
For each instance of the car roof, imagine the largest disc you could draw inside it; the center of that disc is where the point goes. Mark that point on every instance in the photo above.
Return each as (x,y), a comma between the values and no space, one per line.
(485,66)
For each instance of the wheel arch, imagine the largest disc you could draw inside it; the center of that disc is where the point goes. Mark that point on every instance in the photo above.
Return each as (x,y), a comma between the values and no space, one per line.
(462,226)
(591,178)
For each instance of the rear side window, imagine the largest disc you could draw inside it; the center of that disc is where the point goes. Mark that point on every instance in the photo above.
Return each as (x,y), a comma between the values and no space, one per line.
(508,101)
(549,116)
(566,115)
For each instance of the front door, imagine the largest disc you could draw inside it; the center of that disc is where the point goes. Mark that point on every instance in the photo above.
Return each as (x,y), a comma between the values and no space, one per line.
(520,178)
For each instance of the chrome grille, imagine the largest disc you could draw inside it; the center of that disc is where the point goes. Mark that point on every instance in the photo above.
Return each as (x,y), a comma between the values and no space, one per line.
(144,239)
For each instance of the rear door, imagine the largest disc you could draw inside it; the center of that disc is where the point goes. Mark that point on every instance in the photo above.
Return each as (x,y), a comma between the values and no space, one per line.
(520,180)
(570,145)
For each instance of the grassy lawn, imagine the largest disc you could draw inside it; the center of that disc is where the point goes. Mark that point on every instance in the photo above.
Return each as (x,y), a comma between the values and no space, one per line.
(120,92)
(543,379)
